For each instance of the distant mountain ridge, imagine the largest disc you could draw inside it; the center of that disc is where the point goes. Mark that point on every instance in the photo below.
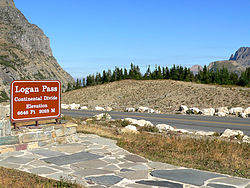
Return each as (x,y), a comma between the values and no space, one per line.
(25,51)
(237,63)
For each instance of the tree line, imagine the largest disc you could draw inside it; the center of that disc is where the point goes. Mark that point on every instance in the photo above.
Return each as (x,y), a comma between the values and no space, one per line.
(221,77)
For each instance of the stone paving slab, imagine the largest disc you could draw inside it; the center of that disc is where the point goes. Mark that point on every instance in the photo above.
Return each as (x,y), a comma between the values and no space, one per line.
(98,162)
(105,180)
(69,159)
(189,176)
(160,183)
(219,185)
(232,181)
(47,153)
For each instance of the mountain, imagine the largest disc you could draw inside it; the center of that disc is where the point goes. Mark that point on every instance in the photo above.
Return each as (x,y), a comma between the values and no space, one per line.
(236,63)
(196,68)
(25,52)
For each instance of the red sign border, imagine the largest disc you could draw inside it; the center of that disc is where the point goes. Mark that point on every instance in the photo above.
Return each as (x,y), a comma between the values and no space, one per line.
(38,118)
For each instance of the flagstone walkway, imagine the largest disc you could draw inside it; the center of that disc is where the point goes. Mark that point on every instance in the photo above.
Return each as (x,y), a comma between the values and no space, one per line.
(99,162)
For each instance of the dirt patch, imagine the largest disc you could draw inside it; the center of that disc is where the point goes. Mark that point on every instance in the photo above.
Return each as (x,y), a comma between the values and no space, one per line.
(163,95)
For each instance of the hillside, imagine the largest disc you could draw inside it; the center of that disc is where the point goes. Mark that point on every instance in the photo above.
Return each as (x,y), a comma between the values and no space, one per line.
(237,63)
(25,51)
(164,95)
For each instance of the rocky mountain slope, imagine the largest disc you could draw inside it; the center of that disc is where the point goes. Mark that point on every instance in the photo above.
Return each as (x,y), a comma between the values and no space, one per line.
(236,63)
(163,95)
(25,51)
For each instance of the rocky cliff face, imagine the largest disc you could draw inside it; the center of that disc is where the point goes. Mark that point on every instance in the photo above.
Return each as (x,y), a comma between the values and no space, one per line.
(25,51)
(242,56)
(236,63)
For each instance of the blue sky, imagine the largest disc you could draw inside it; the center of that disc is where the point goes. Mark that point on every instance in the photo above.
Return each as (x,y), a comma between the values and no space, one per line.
(88,36)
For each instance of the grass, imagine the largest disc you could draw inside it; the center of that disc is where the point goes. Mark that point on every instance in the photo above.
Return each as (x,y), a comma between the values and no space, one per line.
(15,178)
(214,155)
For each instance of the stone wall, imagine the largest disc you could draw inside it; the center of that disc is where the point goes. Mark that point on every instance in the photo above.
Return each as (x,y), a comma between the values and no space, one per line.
(45,135)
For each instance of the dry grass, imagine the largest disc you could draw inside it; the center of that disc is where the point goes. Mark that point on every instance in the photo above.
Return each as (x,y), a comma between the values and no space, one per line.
(205,154)
(164,95)
(17,179)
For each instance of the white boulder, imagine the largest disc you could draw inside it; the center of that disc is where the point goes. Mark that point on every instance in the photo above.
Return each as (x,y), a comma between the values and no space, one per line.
(65,106)
(231,133)
(235,111)
(74,106)
(143,123)
(246,139)
(98,108)
(208,111)
(222,109)
(164,127)
(243,115)
(104,116)
(183,108)
(142,109)
(247,111)
(150,110)
(182,131)
(157,111)
(194,110)
(220,114)
(130,110)
(129,129)
(83,108)
(140,123)
(203,133)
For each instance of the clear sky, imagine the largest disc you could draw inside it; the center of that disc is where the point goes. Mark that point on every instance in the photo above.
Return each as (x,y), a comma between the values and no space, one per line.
(88,36)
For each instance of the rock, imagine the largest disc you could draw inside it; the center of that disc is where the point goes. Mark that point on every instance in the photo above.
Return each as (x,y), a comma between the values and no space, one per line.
(83,108)
(222,109)
(193,110)
(232,133)
(183,108)
(130,110)
(208,111)
(142,109)
(104,116)
(140,123)
(246,139)
(150,110)
(247,111)
(143,123)
(235,111)
(220,114)
(129,129)
(203,133)
(65,106)
(243,115)
(74,106)
(157,111)
(98,108)
(30,56)
(182,131)
(109,109)
(164,127)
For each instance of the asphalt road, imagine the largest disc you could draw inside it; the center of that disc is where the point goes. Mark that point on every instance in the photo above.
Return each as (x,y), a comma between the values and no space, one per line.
(188,122)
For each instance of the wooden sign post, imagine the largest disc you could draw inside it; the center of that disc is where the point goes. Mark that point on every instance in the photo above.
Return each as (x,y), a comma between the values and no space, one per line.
(35,100)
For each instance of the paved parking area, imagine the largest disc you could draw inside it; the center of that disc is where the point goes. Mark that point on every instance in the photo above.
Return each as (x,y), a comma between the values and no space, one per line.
(98,162)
